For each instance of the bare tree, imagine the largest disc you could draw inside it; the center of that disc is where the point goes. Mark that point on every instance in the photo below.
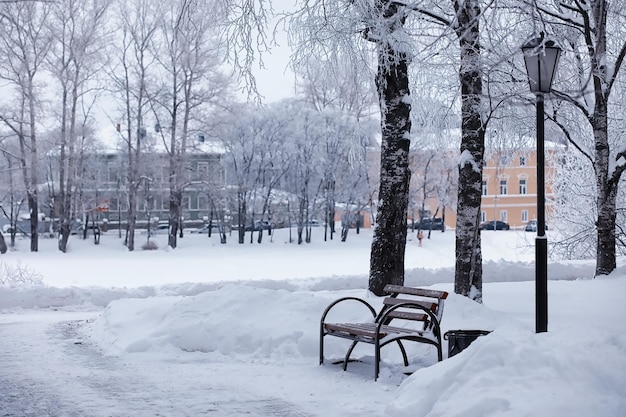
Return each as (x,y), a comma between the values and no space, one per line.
(25,42)
(12,197)
(189,54)
(130,75)
(243,138)
(345,94)
(74,60)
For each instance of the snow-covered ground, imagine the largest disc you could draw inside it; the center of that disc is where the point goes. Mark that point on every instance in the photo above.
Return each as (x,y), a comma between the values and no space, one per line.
(233,330)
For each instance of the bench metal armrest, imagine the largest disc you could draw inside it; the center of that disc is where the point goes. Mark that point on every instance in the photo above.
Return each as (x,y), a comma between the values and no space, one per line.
(327,310)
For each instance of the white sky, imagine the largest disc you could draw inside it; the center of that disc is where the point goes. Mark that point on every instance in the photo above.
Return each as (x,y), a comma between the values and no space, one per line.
(233,330)
(276,81)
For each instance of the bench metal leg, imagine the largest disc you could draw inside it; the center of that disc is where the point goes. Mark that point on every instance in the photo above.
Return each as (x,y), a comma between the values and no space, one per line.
(321,344)
(347,359)
(406,359)
(376,358)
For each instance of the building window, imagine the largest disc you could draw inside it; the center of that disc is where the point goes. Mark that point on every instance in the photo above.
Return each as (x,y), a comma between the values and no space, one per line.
(522,161)
(503,215)
(522,186)
(483,217)
(504,189)
(202,171)
(186,202)
(485,188)
(113,204)
(203,202)
(524,216)
(112,173)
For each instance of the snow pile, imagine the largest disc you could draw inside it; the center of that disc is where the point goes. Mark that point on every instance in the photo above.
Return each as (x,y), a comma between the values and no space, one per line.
(236,320)
(513,373)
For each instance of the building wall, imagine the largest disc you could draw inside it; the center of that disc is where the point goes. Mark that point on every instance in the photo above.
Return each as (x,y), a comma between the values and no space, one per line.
(104,193)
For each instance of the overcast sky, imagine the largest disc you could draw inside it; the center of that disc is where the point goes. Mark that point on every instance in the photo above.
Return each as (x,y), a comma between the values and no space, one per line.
(276,81)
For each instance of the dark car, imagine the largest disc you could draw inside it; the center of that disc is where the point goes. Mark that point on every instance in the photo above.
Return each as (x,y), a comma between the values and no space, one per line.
(429,223)
(315,223)
(159,229)
(531,226)
(494,225)
(205,229)
(260,225)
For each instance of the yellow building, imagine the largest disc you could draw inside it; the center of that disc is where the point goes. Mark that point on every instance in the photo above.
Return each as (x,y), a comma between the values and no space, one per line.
(510,187)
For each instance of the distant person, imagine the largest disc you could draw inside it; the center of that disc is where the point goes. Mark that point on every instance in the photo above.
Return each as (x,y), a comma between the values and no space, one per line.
(420,237)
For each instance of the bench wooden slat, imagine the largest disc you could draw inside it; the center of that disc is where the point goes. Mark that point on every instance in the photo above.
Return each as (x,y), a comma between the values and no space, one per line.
(361,329)
(389,301)
(399,289)
(368,329)
(405,315)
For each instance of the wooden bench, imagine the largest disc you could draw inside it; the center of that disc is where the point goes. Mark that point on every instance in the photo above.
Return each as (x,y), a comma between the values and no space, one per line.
(415,312)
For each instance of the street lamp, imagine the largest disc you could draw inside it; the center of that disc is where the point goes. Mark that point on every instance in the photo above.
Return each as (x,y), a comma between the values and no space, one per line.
(541,57)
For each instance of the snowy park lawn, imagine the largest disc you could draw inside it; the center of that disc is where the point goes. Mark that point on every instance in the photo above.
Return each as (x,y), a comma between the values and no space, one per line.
(246,317)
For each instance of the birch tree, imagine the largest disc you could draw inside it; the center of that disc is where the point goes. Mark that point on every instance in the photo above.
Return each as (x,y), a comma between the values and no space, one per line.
(592,33)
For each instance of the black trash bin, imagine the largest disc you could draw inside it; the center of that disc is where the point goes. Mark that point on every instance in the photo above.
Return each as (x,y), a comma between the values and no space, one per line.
(458,340)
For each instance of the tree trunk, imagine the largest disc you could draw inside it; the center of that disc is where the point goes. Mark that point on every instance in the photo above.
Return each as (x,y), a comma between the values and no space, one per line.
(468,265)
(241,211)
(33,205)
(606,181)
(607,201)
(176,197)
(389,241)
(64,215)
(606,193)
(132,214)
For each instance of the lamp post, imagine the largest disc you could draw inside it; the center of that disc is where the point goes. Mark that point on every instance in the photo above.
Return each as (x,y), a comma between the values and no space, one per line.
(541,57)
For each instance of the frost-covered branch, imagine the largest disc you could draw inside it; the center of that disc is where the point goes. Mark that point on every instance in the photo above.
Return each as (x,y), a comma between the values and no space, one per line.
(579,146)
(617,66)
(18,276)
